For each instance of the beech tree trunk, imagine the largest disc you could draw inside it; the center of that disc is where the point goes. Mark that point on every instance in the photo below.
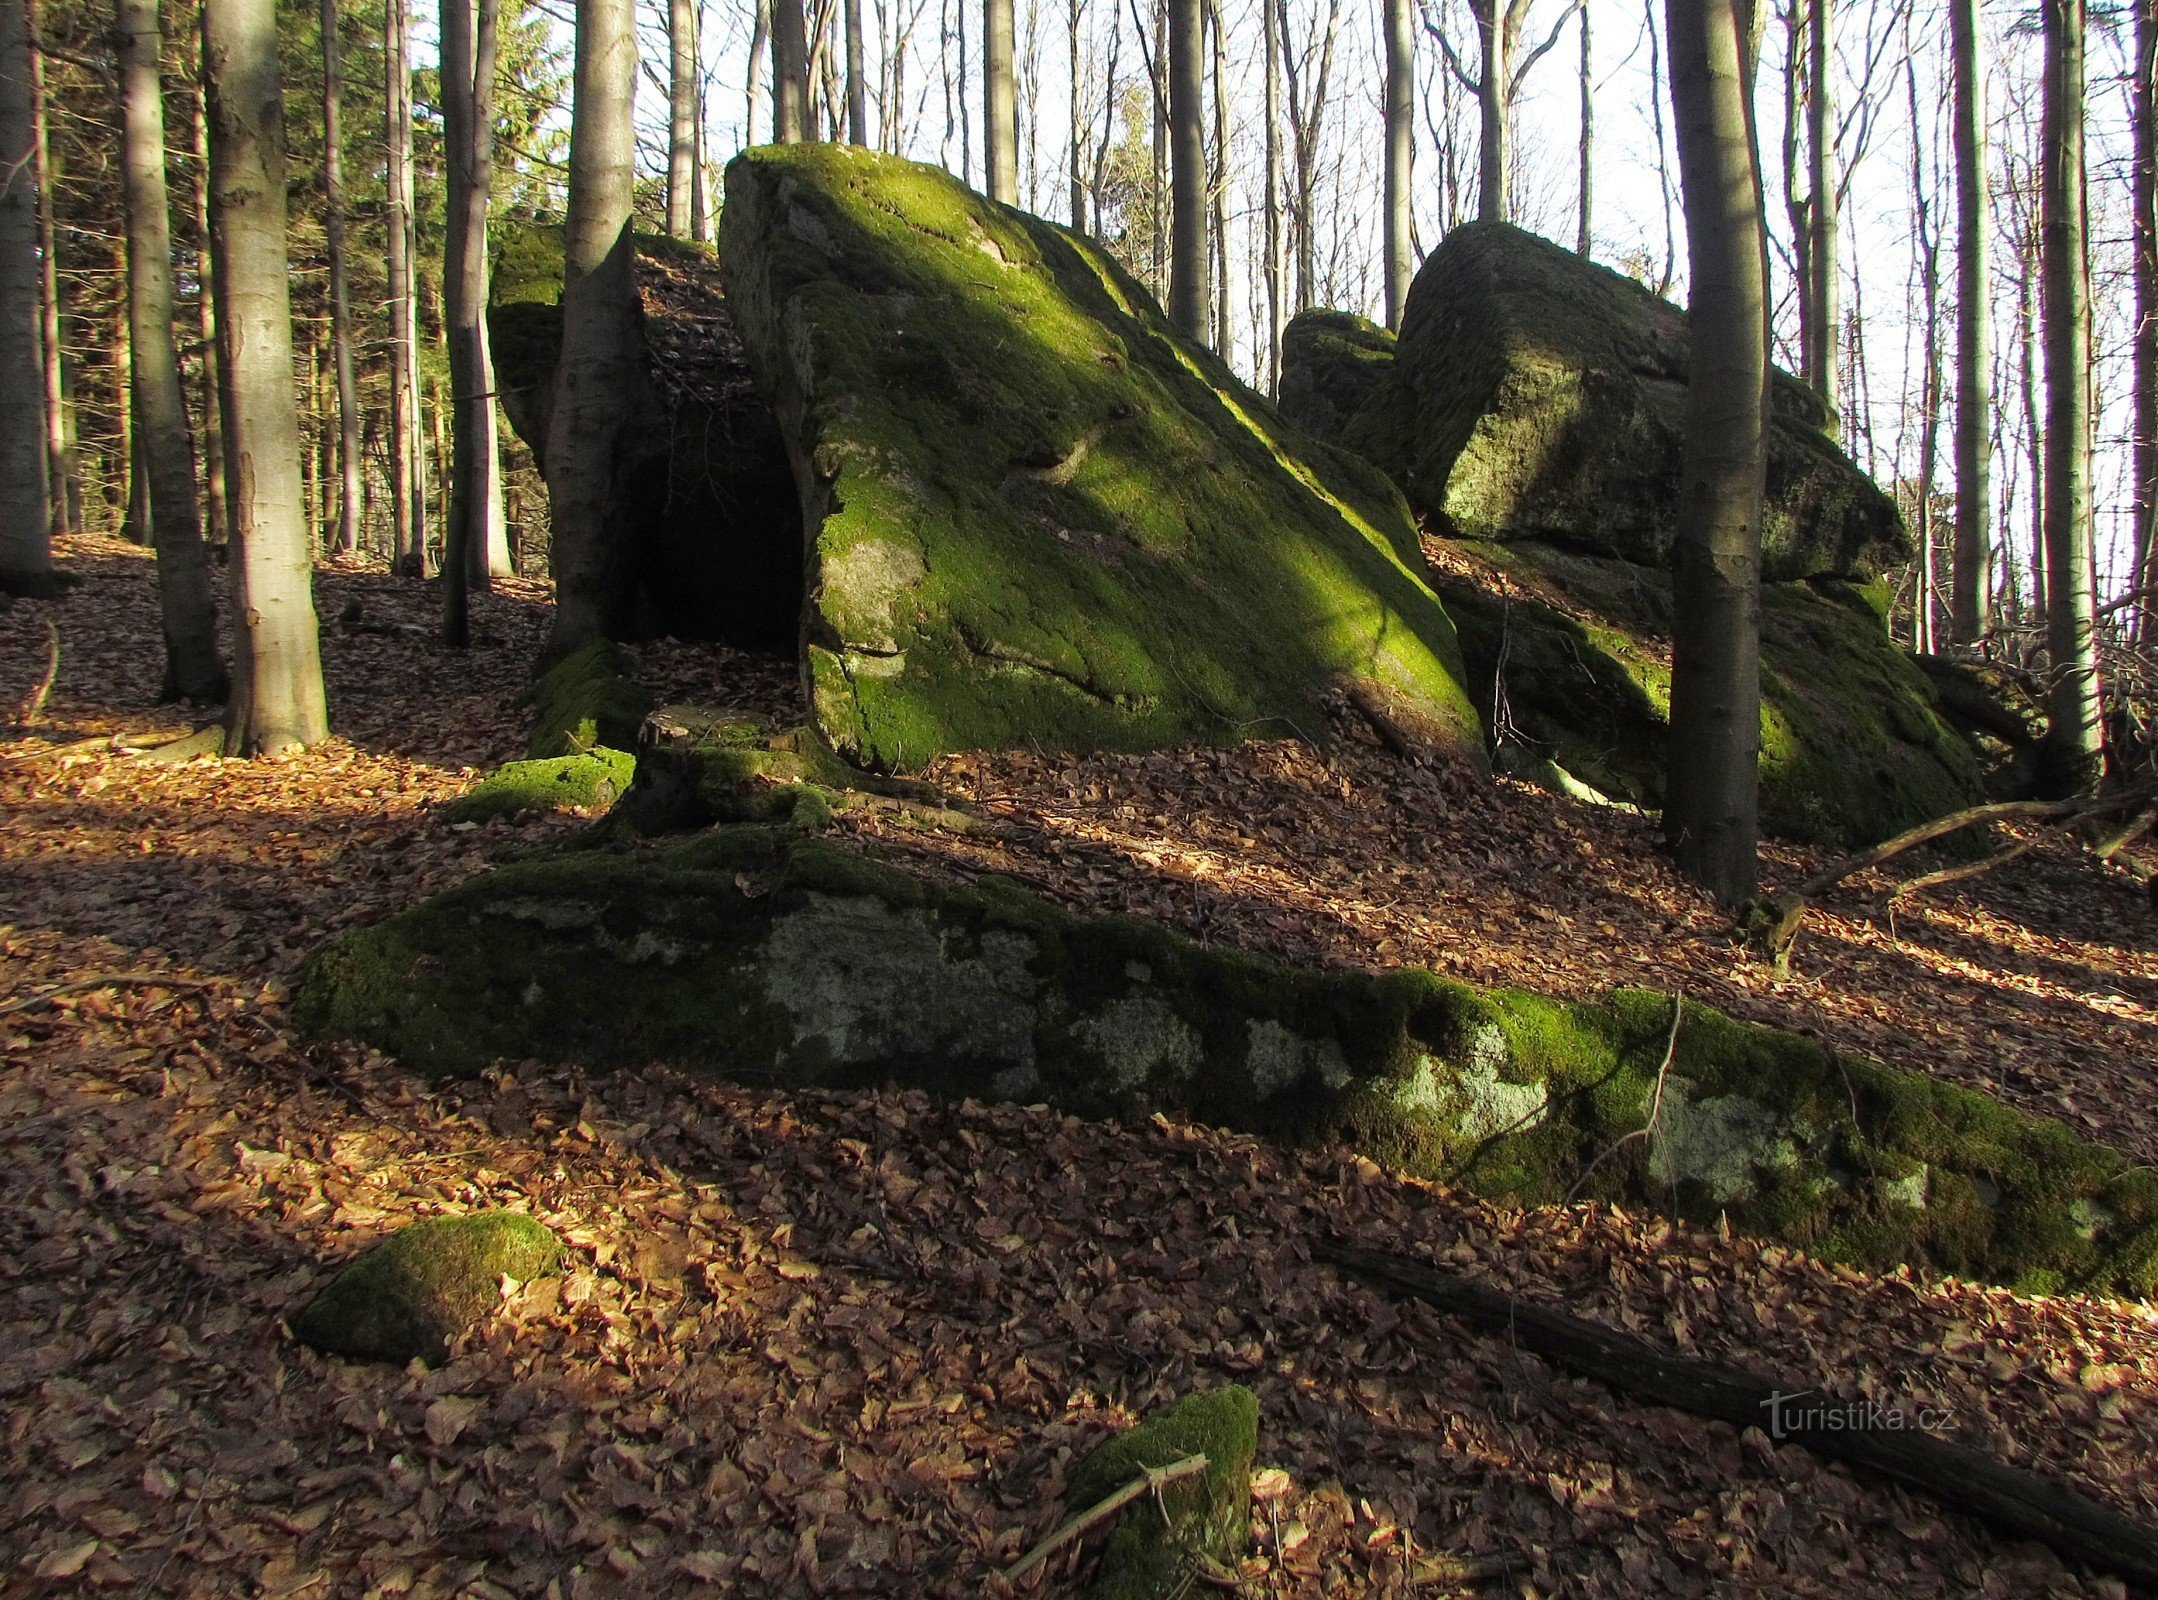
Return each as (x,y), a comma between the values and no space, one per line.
(1971,600)
(1493,170)
(278,703)
(63,479)
(2144,456)
(1073,16)
(1711,796)
(857,77)
(186,605)
(1822,328)
(599,374)
(1221,293)
(1000,121)
(350,492)
(1187,159)
(790,72)
(1272,160)
(408,478)
(468,142)
(1584,238)
(25,511)
(1400,112)
(2074,737)
(218,515)
(681,115)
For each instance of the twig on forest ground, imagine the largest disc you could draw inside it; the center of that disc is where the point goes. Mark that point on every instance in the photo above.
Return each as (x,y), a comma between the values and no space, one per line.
(33,703)
(105,980)
(1150,1478)
(1647,1130)
(73,746)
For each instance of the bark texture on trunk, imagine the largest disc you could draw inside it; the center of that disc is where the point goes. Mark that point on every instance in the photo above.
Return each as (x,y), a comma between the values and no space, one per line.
(1584,233)
(857,77)
(1400,113)
(1971,602)
(1493,161)
(681,114)
(468,122)
(187,607)
(790,72)
(408,479)
(1711,804)
(218,516)
(599,373)
(1822,327)
(2145,200)
(25,511)
(1187,161)
(2074,736)
(1000,121)
(278,703)
(349,491)
(63,482)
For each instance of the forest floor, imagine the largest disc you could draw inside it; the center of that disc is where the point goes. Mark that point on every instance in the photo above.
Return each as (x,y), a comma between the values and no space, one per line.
(832,1344)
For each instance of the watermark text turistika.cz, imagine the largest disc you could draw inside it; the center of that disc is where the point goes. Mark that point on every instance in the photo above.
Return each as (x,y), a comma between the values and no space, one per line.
(1811,1411)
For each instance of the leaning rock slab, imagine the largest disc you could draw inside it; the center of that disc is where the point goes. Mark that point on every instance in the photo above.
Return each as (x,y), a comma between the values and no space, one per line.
(1332,363)
(1032,512)
(784,959)
(1535,395)
(409,1297)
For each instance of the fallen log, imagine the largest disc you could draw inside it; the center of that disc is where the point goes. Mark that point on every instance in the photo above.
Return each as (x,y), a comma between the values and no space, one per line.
(2010,1500)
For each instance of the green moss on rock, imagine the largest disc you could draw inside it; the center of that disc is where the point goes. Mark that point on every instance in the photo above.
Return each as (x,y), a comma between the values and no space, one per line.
(780,958)
(557,783)
(1855,745)
(1332,363)
(1536,395)
(1208,1514)
(1035,513)
(586,701)
(409,1297)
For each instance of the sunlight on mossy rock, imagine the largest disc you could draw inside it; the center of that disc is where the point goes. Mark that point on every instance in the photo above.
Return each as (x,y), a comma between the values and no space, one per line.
(1148,1555)
(1573,651)
(780,958)
(1536,395)
(556,783)
(587,701)
(1332,363)
(1034,514)
(408,1297)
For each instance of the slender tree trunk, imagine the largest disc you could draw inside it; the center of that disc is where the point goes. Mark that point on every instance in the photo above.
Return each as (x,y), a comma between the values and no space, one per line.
(25,511)
(62,482)
(468,148)
(1187,154)
(278,703)
(1971,609)
(2074,737)
(598,375)
(1400,112)
(1271,366)
(1584,234)
(2144,459)
(760,35)
(790,72)
(1218,192)
(2034,465)
(1494,160)
(681,113)
(135,521)
(1000,118)
(347,536)
(186,605)
(1927,236)
(1073,16)
(408,485)
(1824,327)
(1711,797)
(857,77)
(218,519)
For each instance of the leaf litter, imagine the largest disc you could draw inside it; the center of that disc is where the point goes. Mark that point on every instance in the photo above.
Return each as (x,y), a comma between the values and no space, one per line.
(833,1344)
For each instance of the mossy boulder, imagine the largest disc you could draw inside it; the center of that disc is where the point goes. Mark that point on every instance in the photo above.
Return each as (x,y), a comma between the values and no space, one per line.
(1035,514)
(1332,363)
(1999,714)
(781,958)
(588,700)
(408,1297)
(1151,1551)
(559,783)
(715,550)
(1535,395)
(1570,656)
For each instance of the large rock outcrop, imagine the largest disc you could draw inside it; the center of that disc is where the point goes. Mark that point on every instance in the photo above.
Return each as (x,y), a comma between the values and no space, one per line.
(1332,363)
(717,553)
(1536,395)
(1032,512)
(1571,661)
(779,957)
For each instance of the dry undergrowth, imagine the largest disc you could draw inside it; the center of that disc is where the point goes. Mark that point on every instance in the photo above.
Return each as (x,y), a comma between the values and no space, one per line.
(846,1344)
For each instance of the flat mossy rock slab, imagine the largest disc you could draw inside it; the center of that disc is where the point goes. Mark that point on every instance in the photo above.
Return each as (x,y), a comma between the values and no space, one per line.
(1535,395)
(782,959)
(598,777)
(1855,746)
(1034,514)
(1332,363)
(410,1296)
(1149,1554)
(717,549)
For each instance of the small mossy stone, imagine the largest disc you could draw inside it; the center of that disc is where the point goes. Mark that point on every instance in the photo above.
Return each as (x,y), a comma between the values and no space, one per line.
(556,783)
(410,1296)
(1148,1556)
(586,701)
